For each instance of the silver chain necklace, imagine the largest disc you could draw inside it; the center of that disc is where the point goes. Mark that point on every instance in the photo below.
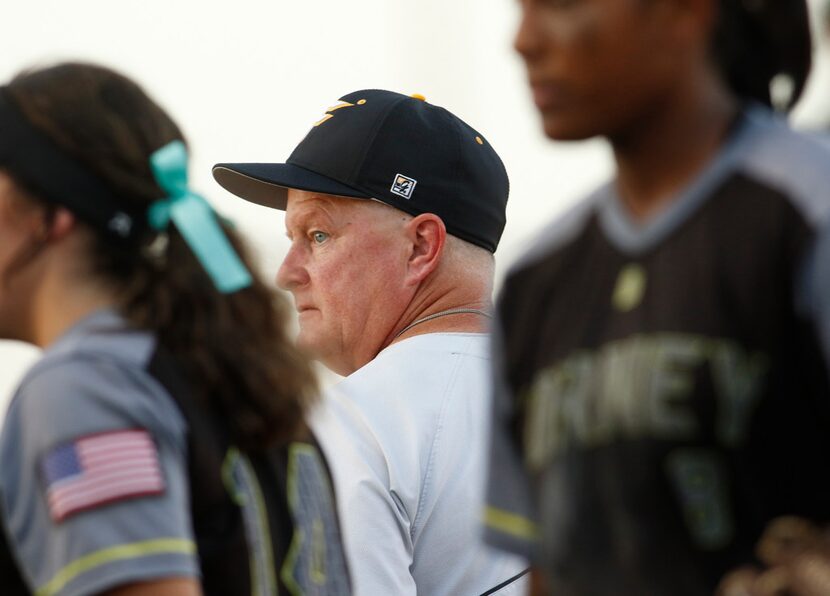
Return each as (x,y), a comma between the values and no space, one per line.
(444,313)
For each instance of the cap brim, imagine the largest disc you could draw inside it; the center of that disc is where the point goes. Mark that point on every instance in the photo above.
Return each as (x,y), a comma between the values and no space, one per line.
(268,183)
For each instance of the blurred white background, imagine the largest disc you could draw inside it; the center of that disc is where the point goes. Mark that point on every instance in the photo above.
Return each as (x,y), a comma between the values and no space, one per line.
(246,79)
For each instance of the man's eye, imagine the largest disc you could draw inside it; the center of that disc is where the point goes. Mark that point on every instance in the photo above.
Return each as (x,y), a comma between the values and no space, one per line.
(319,237)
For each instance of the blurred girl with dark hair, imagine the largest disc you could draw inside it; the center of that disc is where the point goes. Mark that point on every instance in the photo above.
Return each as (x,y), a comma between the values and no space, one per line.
(159,445)
(665,345)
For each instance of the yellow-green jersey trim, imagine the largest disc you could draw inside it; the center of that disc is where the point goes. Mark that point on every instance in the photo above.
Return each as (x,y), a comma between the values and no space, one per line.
(262,516)
(290,563)
(104,556)
(510,523)
(318,572)
(232,455)
(258,530)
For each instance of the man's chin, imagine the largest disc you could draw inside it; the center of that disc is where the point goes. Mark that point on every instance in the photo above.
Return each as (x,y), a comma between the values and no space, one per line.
(307,344)
(314,345)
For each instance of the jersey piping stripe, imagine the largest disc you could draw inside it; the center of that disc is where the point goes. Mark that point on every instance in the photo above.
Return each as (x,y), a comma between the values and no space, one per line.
(297,540)
(241,481)
(510,523)
(296,450)
(115,553)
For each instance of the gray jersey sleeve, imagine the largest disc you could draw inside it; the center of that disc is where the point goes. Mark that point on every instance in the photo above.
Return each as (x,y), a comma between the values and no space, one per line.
(509,519)
(96,540)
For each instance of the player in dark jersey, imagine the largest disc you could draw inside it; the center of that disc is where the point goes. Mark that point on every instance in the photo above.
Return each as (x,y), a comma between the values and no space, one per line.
(159,446)
(664,346)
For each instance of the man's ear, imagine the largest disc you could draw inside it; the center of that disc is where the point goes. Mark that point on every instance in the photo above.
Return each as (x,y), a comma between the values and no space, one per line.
(60,224)
(428,236)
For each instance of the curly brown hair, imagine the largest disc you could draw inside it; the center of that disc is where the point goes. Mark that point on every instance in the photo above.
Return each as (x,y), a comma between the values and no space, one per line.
(234,348)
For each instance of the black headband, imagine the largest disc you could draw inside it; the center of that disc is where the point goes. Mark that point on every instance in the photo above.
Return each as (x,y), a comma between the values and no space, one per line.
(44,169)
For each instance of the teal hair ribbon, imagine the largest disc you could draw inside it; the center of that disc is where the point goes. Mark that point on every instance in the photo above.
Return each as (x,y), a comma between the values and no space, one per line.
(195,220)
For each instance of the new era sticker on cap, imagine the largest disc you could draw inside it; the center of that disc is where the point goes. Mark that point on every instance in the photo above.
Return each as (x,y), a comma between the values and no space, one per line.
(403,186)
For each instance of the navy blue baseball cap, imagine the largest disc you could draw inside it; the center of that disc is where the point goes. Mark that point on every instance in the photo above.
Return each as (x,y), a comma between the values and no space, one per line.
(397,149)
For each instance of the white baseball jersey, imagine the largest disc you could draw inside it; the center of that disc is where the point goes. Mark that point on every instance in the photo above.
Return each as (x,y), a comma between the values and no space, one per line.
(406,437)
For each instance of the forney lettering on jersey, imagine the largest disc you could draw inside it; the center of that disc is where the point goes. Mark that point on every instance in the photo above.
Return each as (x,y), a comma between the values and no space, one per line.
(639,387)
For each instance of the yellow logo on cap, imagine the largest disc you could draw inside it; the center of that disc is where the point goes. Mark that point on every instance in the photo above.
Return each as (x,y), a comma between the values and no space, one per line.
(343,104)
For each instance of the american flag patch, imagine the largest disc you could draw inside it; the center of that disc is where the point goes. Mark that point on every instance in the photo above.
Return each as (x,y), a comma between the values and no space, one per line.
(98,469)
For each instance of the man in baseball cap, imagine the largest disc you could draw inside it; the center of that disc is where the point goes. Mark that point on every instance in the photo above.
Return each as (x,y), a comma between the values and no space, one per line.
(394,208)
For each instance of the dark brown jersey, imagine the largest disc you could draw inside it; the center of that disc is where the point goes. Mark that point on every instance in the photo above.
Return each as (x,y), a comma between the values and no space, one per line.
(664,386)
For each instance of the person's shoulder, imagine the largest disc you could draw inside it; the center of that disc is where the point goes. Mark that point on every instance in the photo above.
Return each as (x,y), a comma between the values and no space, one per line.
(335,410)
(409,368)
(795,164)
(81,392)
(399,396)
(99,350)
(79,374)
(349,440)
(432,347)
(559,232)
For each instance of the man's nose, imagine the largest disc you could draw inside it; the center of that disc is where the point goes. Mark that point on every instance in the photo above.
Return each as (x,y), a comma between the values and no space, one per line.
(292,273)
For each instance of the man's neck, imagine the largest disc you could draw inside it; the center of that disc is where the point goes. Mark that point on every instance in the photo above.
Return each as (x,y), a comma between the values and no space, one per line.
(439,317)
(443,316)
(469,320)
